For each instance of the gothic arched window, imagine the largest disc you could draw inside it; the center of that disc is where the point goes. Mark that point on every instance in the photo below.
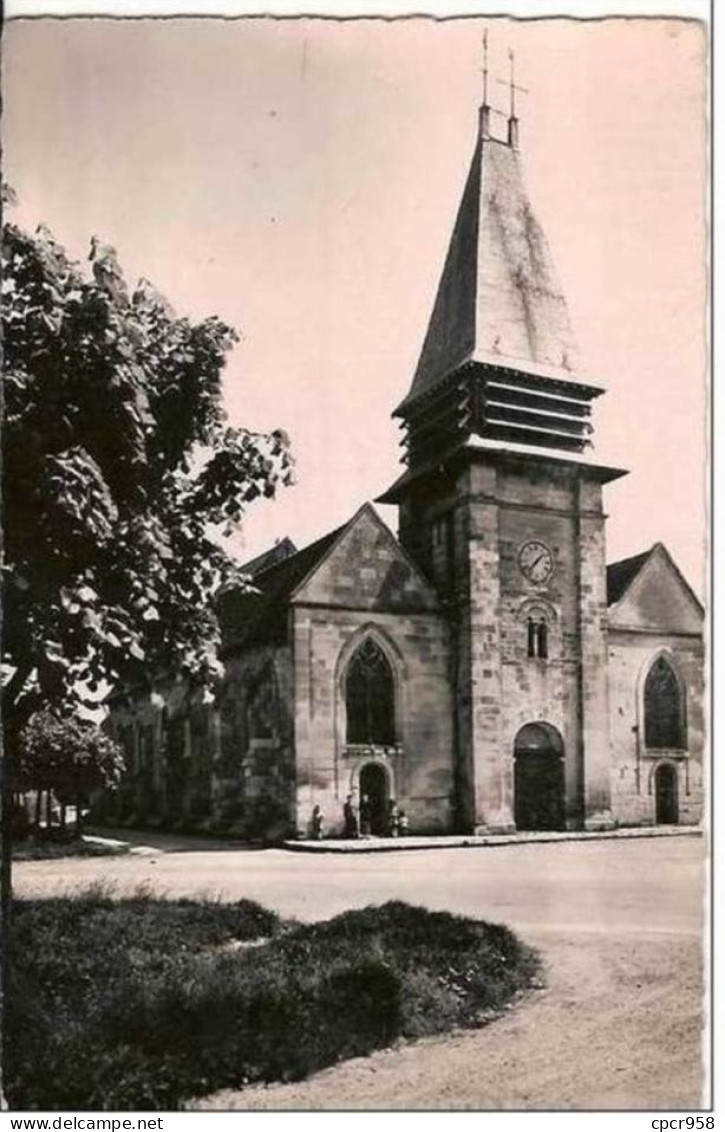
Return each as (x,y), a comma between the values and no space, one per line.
(370,697)
(664,709)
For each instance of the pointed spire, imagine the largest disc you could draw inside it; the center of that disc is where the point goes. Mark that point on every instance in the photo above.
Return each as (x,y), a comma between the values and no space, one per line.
(499,300)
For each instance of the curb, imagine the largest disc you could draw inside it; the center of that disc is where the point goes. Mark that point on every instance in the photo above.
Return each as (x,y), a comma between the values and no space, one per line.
(492,841)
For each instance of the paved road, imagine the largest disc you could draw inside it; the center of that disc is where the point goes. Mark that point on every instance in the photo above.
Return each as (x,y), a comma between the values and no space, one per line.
(651,885)
(619,924)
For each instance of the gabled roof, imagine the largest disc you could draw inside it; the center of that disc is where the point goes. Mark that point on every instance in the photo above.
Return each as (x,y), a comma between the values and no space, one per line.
(622,575)
(367,568)
(280,581)
(251,616)
(260,614)
(499,300)
(281,550)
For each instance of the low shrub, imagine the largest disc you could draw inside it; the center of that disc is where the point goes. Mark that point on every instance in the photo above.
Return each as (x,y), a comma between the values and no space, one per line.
(141,1004)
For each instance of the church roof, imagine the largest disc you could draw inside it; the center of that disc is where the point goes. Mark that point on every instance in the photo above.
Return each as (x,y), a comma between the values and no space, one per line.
(262,613)
(359,564)
(281,580)
(621,575)
(499,300)
(277,553)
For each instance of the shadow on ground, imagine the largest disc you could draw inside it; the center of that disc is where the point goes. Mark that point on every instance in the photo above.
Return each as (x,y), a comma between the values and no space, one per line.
(164,842)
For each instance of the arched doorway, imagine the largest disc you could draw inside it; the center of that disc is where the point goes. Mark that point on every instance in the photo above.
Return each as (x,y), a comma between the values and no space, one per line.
(374,787)
(538,778)
(666,795)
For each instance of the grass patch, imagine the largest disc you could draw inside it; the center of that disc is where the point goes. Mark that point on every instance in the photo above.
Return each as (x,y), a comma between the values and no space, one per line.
(46,849)
(141,1003)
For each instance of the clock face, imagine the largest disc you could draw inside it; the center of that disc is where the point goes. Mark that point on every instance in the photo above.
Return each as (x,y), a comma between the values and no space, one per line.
(536,561)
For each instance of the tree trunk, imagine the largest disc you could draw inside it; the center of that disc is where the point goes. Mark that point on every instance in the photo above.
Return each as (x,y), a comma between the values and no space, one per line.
(12,719)
(10,722)
(9,728)
(38,800)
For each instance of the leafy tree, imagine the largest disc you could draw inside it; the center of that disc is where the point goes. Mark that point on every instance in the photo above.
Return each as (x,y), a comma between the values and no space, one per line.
(118,466)
(67,755)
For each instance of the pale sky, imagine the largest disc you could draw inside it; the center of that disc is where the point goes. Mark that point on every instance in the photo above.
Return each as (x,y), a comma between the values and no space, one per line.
(300,179)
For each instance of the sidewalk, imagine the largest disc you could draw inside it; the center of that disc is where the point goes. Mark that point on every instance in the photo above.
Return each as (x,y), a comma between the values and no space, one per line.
(471,841)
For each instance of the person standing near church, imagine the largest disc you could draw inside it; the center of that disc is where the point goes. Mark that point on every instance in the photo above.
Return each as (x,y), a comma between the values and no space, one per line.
(366,813)
(350,829)
(317,824)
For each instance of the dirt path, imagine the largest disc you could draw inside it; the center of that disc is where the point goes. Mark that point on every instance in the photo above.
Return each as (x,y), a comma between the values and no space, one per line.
(616,1028)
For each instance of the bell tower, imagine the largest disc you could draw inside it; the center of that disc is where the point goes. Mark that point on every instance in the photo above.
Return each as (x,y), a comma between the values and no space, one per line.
(501,505)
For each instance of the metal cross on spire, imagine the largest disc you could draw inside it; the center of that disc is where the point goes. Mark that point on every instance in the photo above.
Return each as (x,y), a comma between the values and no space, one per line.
(485,67)
(512,85)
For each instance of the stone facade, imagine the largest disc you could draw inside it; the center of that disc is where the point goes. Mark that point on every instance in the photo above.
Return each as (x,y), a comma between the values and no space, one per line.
(276,742)
(419,764)
(366,588)
(496,505)
(208,763)
(656,618)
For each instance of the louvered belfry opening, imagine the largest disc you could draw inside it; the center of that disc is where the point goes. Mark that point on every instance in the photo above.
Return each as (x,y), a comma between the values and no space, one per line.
(500,405)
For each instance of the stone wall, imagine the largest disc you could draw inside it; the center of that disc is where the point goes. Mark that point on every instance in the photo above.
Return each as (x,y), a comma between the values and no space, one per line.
(226,765)
(479,699)
(536,506)
(168,737)
(567,690)
(633,767)
(254,776)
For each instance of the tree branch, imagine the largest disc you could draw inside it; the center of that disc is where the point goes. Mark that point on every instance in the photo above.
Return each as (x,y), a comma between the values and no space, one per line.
(15,686)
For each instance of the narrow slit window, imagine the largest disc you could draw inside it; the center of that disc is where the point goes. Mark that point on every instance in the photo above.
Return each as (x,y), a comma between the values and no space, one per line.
(531,637)
(537,639)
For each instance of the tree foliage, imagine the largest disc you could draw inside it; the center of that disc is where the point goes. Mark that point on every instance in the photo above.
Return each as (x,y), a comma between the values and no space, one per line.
(66,754)
(118,464)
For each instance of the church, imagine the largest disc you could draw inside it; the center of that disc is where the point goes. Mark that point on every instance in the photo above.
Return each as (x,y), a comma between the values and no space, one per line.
(486,668)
